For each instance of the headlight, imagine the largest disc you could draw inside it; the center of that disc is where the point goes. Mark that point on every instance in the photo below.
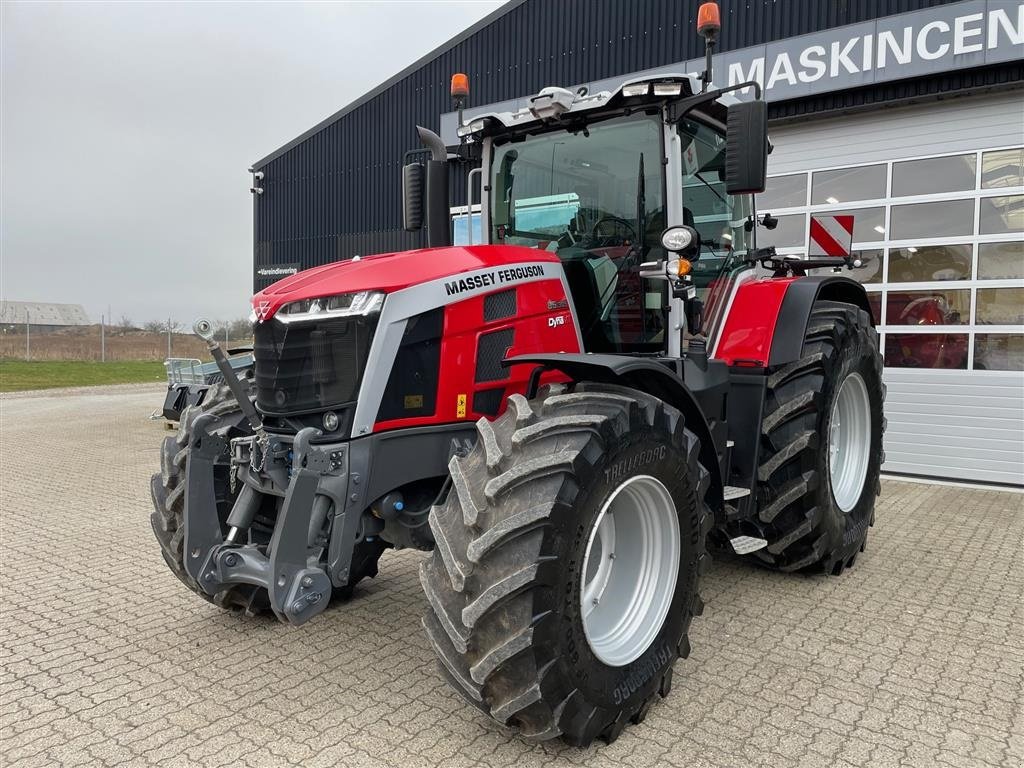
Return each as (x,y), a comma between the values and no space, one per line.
(344,305)
(330,421)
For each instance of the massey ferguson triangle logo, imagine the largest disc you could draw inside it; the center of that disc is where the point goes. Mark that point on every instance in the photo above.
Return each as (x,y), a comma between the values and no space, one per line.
(262,310)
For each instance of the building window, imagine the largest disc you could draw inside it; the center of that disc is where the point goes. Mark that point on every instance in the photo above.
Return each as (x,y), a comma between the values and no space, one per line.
(466,226)
(999,352)
(1004,168)
(928,307)
(784,192)
(929,263)
(791,232)
(875,300)
(1000,306)
(946,351)
(870,270)
(1001,261)
(1002,215)
(932,175)
(868,223)
(847,185)
(945,218)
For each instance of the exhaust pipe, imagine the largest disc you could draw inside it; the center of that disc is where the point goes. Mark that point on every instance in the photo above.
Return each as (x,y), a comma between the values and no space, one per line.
(438,214)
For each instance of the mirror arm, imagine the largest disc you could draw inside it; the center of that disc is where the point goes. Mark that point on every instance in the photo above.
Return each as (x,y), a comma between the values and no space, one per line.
(677,110)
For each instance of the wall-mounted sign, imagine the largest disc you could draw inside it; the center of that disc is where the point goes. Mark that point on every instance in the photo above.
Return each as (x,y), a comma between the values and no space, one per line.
(956,36)
(270,273)
(961,35)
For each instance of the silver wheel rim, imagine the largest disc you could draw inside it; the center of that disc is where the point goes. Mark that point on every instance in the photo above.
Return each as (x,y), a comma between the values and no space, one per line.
(849,441)
(630,570)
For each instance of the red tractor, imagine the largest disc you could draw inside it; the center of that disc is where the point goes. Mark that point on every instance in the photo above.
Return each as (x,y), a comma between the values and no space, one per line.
(569,416)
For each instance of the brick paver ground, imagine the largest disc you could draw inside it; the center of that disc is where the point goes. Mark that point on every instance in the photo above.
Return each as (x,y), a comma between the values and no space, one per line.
(915,657)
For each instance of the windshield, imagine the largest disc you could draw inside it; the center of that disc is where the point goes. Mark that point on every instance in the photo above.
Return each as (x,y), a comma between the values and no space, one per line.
(595,196)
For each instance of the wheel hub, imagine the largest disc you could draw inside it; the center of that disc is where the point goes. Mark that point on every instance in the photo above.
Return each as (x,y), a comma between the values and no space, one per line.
(630,570)
(849,441)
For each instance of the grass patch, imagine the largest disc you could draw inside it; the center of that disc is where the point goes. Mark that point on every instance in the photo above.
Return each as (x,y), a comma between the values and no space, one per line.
(19,375)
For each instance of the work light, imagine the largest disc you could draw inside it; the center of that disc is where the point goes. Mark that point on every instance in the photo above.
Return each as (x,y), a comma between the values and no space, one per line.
(636,89)
(677,239)
(668,89)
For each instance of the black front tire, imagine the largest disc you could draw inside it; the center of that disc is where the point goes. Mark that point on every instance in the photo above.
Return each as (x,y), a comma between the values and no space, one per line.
(503,584)
(167,489)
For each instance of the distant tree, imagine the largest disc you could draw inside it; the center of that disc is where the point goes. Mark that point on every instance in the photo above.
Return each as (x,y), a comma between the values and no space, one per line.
(232,330)
(240,328)
(125,324)
(163,326)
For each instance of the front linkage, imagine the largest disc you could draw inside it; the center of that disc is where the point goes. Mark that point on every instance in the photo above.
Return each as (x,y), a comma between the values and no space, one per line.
(317,511)
(291,567)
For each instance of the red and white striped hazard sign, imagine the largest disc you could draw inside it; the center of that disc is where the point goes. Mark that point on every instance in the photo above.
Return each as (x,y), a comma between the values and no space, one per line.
(831,235)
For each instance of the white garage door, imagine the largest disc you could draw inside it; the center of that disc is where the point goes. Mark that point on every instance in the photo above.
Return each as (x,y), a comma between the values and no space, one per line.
(938,195)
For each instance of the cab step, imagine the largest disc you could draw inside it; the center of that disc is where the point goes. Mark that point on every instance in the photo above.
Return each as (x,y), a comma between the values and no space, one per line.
(732,492)
(744,545)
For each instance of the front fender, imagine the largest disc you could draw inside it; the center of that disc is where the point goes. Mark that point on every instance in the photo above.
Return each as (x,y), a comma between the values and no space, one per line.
(648,376)
(767,319)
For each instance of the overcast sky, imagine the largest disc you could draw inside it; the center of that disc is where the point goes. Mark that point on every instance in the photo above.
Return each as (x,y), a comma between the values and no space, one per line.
(128,129)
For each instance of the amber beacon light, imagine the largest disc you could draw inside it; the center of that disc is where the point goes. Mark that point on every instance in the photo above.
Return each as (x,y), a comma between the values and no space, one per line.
(709,19)
(460,86)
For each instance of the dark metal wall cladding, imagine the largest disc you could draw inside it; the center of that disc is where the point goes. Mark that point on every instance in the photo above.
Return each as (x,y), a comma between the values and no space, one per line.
(963,82)
(338,192)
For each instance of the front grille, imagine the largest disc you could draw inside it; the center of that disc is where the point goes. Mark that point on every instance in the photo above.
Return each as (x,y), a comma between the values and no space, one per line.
(310,366)
(498,306)
(488,401)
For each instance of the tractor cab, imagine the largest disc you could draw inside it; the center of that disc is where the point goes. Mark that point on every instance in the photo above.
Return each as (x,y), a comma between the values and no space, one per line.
(643,194)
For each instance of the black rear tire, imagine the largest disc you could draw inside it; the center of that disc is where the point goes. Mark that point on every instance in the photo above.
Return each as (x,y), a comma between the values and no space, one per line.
(805,527)
(503,584)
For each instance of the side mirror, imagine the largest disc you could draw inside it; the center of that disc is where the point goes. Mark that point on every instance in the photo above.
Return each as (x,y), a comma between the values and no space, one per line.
(412,197)
(746,148)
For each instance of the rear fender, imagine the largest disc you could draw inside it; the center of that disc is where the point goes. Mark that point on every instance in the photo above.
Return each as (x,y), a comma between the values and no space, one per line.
(795,312)
(648,376)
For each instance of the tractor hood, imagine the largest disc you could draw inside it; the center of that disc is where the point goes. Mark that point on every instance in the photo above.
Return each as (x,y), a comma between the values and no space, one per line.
(389,272)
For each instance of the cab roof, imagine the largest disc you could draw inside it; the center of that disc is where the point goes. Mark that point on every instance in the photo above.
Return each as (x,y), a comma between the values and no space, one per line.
(569,105)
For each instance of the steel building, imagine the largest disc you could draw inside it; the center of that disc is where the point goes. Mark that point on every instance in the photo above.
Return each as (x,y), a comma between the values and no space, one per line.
(907,113)
(41,316)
